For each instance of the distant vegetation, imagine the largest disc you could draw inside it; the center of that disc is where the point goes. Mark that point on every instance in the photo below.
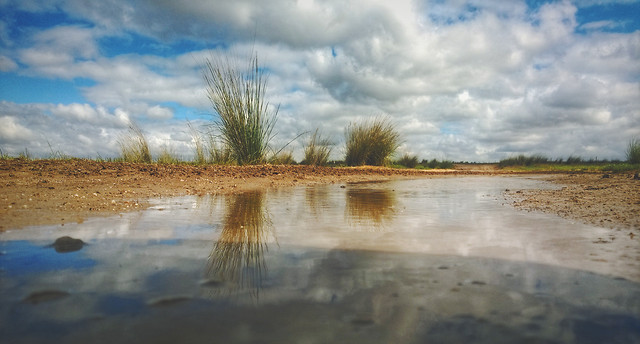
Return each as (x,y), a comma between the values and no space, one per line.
(371,142)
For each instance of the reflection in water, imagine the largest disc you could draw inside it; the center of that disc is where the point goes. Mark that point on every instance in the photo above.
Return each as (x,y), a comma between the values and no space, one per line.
(317,198)
(371,205)
(238,255)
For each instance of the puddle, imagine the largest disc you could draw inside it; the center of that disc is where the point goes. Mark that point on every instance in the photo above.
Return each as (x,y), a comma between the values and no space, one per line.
(433,260)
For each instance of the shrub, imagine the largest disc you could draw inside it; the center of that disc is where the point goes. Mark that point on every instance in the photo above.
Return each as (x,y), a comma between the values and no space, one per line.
(134,146)
(633,151)
(371,143)
(408,161)
(317,150)
(245,119)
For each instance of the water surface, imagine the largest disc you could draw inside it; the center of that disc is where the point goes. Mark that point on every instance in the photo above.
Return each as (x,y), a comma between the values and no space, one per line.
(429,260)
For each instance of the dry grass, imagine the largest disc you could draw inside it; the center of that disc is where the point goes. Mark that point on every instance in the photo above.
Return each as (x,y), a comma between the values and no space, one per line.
(134,146)
(371,143)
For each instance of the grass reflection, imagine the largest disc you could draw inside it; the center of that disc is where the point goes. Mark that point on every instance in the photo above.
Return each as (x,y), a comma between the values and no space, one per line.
(371,205)
(238,255)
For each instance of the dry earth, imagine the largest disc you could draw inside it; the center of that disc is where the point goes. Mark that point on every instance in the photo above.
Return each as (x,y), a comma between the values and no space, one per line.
(37,192)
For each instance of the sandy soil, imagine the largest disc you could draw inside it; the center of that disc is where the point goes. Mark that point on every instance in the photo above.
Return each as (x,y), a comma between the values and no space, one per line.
(41,192)
(605,200)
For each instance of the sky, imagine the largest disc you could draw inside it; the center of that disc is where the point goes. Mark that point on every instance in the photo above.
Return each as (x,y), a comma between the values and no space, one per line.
(464,80)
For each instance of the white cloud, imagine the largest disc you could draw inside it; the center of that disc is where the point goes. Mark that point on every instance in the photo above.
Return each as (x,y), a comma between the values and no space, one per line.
(7,64)
(12,131)
(460,84)
(159,112)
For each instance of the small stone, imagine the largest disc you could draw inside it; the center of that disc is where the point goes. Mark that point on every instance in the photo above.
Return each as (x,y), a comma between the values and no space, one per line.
(67,244)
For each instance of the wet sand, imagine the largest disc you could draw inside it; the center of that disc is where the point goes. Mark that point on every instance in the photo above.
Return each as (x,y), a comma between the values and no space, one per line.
(605,200)
(40,192)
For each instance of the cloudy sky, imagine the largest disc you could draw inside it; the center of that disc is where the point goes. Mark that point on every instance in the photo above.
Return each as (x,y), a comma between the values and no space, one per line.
(474,80)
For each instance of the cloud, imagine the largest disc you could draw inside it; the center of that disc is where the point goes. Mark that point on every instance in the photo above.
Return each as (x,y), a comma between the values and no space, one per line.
(7,64)
(464,80)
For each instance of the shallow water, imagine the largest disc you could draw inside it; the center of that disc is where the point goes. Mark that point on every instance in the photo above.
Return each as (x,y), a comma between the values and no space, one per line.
(430,260)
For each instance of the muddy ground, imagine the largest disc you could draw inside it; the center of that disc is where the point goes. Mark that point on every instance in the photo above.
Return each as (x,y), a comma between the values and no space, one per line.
(39,192)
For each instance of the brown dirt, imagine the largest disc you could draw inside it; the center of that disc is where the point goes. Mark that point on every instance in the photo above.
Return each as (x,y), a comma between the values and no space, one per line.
(605,200)
(38,192)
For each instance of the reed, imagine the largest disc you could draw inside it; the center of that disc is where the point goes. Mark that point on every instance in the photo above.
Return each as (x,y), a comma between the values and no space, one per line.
(246,120)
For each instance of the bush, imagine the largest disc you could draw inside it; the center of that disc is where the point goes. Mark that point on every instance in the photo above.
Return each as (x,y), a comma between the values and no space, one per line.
(245,119)
(317,150)
(633,151)
(408,161)
(371,143)
(134,146)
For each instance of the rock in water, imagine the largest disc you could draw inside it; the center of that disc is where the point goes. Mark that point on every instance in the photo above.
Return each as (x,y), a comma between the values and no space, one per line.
(67,244)
(45,296)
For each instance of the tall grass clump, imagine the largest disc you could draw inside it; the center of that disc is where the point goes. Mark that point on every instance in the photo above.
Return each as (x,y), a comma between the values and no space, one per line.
(246,120)
(317,150)
(134,146)
(371,143)
(633,151)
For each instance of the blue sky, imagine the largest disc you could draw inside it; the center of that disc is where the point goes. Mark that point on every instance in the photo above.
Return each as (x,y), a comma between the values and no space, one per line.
(462,79)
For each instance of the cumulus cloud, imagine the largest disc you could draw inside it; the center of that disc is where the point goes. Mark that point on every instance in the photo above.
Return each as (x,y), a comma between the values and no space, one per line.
(464,80)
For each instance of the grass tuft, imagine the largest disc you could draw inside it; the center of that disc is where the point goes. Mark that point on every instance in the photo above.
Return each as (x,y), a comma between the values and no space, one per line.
(283,158)
(317,150)
(246,120)
(134,146)
(371,143)
(167,156)
(633,151)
